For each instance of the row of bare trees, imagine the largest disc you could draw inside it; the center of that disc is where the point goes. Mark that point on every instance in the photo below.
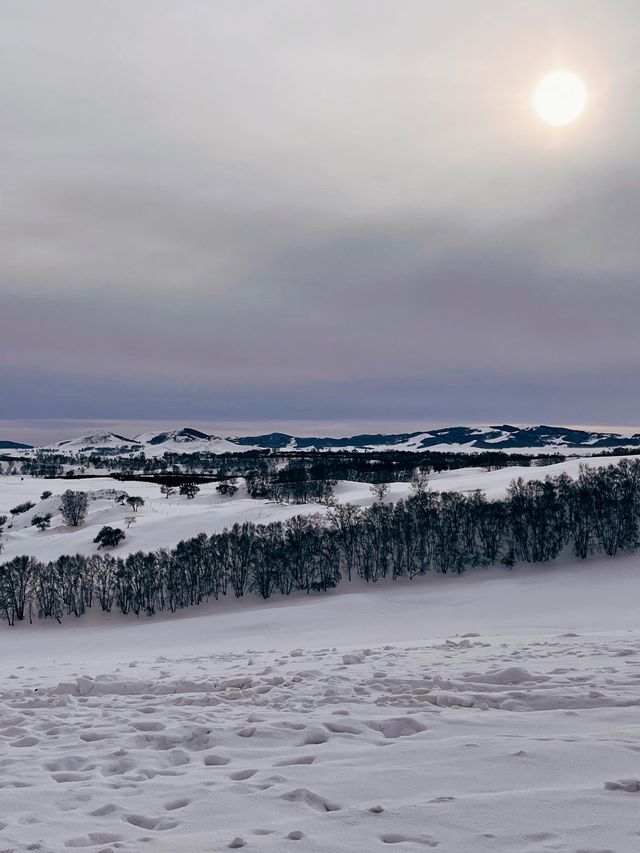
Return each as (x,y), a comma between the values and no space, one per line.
(598,512)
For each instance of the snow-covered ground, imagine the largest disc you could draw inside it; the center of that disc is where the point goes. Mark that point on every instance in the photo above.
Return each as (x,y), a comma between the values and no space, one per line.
(162,523)
(491,712)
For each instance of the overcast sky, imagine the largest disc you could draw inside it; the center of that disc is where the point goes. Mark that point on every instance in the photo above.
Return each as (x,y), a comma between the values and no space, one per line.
(317,209)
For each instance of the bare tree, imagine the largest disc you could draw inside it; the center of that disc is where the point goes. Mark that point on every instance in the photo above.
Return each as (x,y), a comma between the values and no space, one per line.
(74,506)
(135,502)
(419,482)
(380,491)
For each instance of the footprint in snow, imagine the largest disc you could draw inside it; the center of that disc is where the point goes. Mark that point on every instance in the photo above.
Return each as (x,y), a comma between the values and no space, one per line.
(240,775)
(145,822)
(173,805)
(631,786)
(398,838)
(214,760)
(290,762)
(315,801)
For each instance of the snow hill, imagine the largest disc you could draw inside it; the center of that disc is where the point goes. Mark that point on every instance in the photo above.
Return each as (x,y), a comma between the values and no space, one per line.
(506,437)
(99,441)
(163,522)
(184,440)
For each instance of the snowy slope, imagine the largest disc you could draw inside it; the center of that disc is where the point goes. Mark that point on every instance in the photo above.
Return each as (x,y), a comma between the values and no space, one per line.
(162,523)
(493,713)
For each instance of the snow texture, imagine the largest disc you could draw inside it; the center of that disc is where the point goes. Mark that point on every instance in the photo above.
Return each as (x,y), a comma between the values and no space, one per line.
(494,712)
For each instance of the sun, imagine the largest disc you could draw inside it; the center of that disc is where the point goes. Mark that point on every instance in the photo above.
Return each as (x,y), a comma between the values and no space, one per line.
(560,98)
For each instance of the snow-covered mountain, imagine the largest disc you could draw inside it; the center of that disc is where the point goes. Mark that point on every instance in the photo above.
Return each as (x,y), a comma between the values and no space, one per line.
(505,437)
(185,440)
(186,435)
(101,440)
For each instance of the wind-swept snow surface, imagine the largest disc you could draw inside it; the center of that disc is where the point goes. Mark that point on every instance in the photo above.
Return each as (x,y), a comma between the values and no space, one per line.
(493,712)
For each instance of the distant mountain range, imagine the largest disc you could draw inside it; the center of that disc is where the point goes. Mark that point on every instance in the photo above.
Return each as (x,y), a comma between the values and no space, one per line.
(461,438)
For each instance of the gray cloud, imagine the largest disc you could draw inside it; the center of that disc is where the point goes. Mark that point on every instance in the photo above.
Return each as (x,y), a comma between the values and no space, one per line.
(317,209)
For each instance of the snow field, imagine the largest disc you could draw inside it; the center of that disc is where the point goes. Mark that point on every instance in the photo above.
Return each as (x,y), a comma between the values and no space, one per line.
(449,713)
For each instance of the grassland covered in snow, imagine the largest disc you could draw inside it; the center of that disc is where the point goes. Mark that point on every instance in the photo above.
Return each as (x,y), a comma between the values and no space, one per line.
(163,522)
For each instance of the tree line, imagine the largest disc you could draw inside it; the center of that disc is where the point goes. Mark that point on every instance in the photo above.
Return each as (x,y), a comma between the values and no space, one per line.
(447,532)
(369,466)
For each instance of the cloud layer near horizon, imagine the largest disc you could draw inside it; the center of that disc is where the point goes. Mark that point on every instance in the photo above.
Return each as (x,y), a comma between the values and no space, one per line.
(317,209)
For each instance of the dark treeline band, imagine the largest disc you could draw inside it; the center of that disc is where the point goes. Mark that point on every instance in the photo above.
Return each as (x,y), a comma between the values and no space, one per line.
(598,512)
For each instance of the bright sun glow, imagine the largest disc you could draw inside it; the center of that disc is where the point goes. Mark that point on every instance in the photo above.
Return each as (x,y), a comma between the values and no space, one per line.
(560,98)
